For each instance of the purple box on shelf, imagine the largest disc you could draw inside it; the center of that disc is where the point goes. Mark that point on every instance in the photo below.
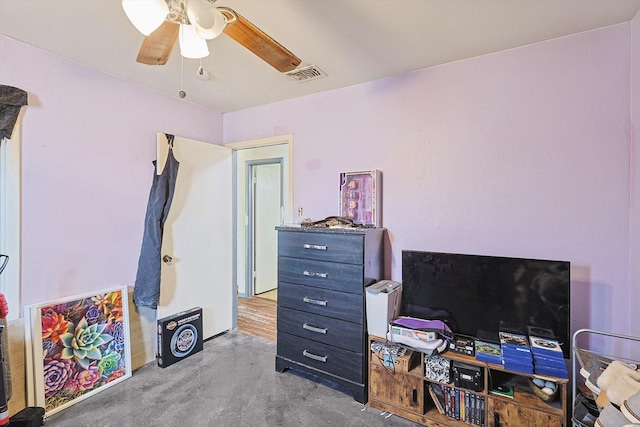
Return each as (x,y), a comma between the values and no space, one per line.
(360,197)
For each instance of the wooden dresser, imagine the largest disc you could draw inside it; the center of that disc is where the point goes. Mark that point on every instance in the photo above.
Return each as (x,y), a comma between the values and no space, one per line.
(322,327)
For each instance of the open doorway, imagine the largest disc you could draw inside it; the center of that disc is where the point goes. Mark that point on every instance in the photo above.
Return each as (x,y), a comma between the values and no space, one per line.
(248,154)
(264,190)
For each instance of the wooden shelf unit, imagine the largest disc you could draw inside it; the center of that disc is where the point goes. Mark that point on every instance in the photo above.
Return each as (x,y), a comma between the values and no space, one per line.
(406,394)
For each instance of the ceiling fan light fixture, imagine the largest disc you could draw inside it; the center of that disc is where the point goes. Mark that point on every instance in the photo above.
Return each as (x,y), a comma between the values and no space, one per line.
(191,44)
(145,15)
(207,19)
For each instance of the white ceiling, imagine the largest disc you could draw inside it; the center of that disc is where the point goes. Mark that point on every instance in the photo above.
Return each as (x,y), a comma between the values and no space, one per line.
(353,41)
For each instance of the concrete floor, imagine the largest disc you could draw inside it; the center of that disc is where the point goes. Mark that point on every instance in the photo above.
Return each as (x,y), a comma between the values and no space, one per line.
(231,383)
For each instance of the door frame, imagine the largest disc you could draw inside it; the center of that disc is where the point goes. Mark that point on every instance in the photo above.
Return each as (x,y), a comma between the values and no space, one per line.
(11,216)
(240,241)
(250,193)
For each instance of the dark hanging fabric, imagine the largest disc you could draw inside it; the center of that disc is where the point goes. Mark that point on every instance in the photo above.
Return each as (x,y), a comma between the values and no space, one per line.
(11,100)
(146,291)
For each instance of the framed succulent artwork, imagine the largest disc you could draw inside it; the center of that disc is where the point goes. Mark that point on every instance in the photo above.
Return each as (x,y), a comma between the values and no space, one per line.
(76,347)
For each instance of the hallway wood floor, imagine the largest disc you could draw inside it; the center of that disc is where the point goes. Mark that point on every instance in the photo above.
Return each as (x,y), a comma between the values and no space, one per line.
(257,317)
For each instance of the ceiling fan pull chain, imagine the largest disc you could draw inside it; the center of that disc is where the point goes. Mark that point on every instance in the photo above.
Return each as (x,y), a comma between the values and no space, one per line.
(202,74)
(182,93)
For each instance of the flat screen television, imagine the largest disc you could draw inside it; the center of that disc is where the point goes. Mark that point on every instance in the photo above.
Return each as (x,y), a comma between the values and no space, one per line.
(475,293)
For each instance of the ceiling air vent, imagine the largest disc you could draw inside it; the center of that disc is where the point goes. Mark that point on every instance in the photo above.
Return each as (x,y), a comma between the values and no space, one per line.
(305,74)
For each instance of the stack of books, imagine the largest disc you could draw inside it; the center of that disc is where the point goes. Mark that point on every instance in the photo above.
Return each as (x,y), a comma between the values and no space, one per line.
(516,352)
(460,404)
(488,352)
(487,348)
(548,358)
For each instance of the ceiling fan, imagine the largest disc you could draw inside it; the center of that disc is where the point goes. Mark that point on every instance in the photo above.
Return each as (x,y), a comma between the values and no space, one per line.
(193,22)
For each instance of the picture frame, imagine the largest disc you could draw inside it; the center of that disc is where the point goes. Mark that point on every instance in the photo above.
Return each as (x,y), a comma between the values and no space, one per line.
(76,347)
(360,197)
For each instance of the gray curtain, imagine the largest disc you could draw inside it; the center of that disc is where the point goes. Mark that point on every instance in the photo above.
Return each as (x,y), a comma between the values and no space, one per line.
(11,100)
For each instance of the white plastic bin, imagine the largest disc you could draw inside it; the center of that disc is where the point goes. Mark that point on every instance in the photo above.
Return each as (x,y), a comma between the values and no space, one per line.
(383,305)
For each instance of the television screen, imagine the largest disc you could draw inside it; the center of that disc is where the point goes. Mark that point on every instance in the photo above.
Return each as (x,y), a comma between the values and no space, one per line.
(475,292)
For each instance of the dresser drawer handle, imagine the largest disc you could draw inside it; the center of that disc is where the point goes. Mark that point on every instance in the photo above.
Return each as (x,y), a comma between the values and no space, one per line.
(310,355)
(314,301)
(314,274)
(317,247)
(308,327)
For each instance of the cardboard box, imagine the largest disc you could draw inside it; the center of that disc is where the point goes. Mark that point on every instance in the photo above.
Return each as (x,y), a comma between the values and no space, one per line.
(425,341)
(386,355)
(179,336)
(396,331)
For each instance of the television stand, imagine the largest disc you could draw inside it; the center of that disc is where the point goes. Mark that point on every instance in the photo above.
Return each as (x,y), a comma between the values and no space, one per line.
(404,391)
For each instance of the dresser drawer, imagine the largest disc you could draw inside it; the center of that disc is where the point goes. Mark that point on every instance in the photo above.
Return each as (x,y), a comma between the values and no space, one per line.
(324,302)
(328,330)
(329,275)
(343,248)
(336,361)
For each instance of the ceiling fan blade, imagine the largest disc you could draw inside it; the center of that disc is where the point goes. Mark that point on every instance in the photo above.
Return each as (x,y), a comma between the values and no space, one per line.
(258,42)
(156,47)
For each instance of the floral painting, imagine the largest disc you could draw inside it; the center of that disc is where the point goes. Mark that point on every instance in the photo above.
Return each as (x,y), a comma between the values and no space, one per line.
(84,347)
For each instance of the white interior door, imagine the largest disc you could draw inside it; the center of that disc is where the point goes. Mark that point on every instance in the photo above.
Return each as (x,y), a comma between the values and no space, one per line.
(267,213)
(198,235)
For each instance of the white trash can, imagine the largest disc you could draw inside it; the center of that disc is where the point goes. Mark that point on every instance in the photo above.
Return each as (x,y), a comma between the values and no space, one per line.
(383,305)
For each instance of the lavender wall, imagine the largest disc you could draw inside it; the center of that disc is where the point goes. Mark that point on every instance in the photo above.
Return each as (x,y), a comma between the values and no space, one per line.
(88,143)
(520,153)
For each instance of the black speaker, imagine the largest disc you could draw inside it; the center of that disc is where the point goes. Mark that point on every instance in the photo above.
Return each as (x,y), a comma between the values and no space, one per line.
(179,336)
